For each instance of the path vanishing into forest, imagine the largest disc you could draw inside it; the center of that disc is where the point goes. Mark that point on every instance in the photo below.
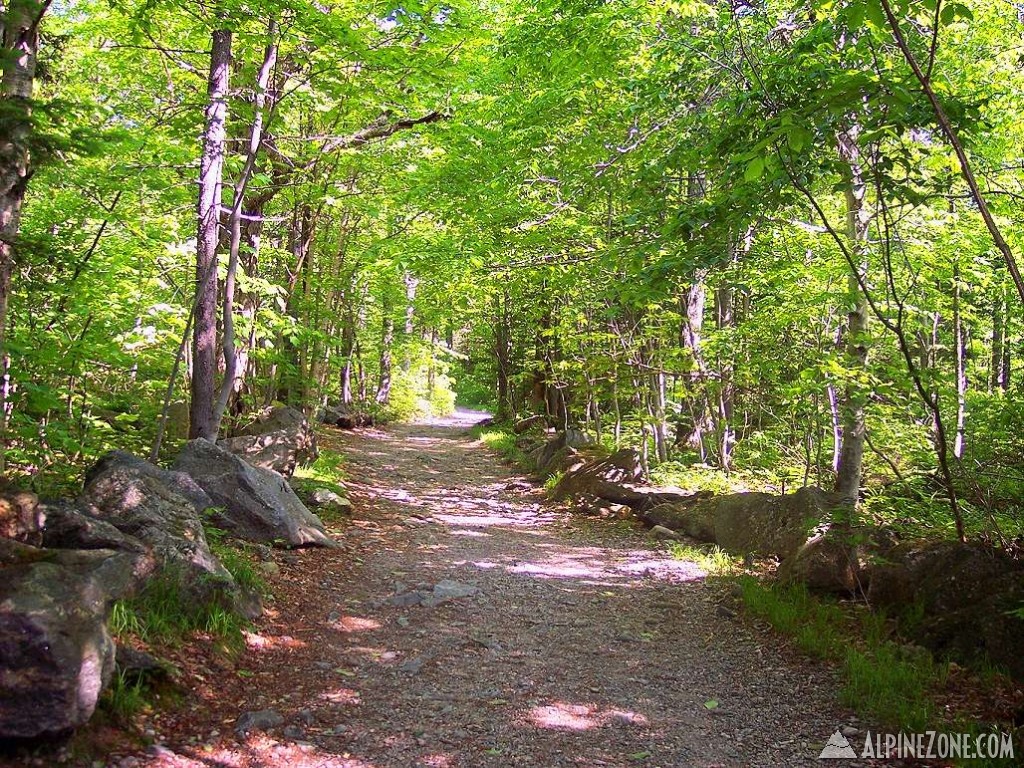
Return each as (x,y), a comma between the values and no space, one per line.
(584,644)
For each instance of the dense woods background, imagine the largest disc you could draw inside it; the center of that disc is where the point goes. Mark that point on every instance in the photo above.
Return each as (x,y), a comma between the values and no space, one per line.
(771,244)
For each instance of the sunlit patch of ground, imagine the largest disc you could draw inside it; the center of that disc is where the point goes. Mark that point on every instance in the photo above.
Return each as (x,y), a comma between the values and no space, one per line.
(258,751)
(580,717)
(350,624)
(258,642)
(346,696)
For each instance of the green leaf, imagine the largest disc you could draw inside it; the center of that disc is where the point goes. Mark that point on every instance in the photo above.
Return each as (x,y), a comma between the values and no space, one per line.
(755,169)
(711,704)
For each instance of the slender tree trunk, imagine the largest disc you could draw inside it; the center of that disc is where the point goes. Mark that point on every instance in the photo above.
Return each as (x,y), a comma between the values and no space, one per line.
(211,168)
(961,365)
(851,457)
(348,343)
(656,400)
(692,430)
(724,319)
(387,340)
(292,384)
(999,369)
(411,284)
(503,355)
(20,45)
(231,361)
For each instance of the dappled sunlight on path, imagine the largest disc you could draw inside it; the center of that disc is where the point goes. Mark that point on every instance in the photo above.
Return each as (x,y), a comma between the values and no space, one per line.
(468,623)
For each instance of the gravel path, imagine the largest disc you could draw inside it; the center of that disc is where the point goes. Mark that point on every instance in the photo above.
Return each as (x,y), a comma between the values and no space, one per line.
(583,643)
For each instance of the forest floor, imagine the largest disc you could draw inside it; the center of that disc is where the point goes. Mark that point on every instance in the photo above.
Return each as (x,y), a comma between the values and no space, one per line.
(584,643)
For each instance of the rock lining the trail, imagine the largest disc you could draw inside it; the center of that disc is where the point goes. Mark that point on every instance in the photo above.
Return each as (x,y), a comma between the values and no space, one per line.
(252,503)
(430,597)
(278,439)
(57,652)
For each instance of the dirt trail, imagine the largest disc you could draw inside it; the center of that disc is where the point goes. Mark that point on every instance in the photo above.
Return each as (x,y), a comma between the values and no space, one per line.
(585,646)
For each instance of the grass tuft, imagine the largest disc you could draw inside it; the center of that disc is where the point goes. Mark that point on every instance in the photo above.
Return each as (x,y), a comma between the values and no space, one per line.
(163,612)
(881,678)
(125,697)
(712,559)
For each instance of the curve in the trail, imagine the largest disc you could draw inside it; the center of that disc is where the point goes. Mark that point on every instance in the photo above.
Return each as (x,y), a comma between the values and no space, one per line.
(469,623)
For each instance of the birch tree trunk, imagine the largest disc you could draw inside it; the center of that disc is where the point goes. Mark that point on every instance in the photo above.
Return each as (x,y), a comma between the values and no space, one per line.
(211,172)
(851,454)
(20,46)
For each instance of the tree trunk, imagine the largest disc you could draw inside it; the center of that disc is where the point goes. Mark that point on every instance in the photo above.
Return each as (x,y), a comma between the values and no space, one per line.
(211,168)
(851,456)
(20,45)
(348,344)
(387,339)
(695,420)
(411,284)
(232,368)
(724,319)
(961,368)
(999,370)
(503,354)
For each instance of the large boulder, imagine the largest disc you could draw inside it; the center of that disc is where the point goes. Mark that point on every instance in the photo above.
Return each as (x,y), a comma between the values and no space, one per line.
(21,517)
(960,600)
(279,439)
(56,654)
(162,509)
(750,523)
(344,416)
(530,422)
(826,562)
(69,526)
(618,479)
(252,503)
(561,452)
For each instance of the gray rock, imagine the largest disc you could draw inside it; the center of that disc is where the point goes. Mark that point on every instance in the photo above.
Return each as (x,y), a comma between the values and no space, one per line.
(343,417)
(293,732)
(661,532)
(827,562)
(749,523)
(253,504)
(21,517)
(560,454)
(530,422)
(408,598)
(325,498)
(452,590)
(279,438)
(56,654)
(618,479)
(260,720)
(136,664)
(966,595)
(162,509)
(412,666)
(69,526)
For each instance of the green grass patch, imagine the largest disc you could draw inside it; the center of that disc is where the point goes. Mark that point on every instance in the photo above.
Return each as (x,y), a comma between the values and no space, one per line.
(125,697)
(712,559)
(163,612)
(552,480)
(237,558)
(502,442)
(883,679)
(327,471)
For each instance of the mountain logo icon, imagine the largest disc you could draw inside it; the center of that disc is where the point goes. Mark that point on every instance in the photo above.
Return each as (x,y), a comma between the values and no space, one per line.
(837,747)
